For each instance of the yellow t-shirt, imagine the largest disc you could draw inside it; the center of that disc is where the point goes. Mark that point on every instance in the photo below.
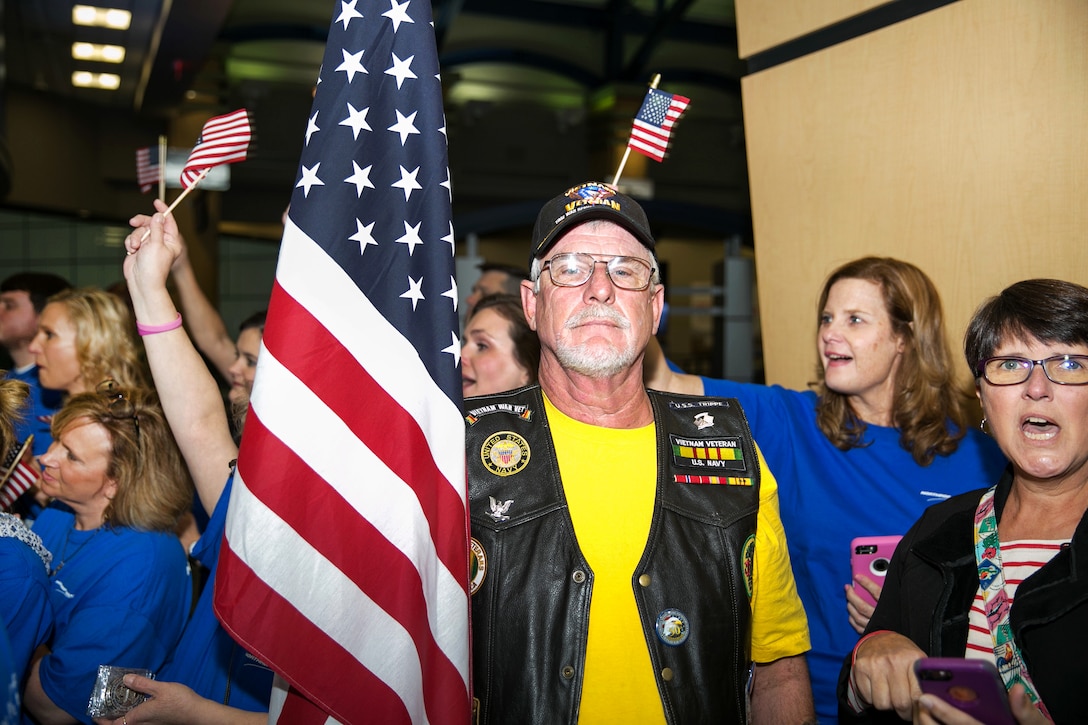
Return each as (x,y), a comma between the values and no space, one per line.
(609,479)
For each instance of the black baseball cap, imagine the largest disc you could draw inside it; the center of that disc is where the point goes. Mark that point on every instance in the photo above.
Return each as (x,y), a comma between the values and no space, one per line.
(591,200)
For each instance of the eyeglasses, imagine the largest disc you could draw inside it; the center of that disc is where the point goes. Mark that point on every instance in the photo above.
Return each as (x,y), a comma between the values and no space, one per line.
(1060,369)
(573,269)
(120,407)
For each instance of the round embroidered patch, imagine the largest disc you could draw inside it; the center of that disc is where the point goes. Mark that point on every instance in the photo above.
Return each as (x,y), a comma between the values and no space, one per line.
(672,627)
(505,453)
(477,565)
(748,552)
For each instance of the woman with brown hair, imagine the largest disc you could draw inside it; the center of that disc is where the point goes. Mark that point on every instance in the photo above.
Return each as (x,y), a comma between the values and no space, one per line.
(120,583)
(500,352)
(883,435)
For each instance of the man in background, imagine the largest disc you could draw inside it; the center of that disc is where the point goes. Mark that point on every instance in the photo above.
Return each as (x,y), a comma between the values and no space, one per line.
(22,297)
(493,279)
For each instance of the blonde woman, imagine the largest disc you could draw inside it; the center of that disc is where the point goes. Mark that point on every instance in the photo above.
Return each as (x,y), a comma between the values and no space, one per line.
(86,336)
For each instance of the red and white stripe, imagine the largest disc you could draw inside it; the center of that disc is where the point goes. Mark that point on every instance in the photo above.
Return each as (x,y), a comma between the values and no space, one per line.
(346,528)
(1019,560)
(224,140)
(19,482)
(651,140)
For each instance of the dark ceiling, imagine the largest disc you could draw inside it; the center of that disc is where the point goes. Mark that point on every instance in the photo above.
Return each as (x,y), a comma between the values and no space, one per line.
(505,63)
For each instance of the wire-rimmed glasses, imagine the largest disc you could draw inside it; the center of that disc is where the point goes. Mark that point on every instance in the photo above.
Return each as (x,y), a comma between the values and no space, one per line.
(574,269)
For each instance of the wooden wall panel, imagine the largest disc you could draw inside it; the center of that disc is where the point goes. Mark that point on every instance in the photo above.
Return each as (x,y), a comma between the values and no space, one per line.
(957,140)
(763,24)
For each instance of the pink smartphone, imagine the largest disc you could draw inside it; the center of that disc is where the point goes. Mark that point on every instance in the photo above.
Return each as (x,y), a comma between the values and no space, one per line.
(870,555)
(970,685)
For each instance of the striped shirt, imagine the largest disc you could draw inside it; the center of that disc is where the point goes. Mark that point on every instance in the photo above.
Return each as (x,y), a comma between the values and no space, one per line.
(1019,560)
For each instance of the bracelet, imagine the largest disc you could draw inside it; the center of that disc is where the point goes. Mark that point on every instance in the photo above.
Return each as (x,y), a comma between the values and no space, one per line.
(854,652)
(145,330)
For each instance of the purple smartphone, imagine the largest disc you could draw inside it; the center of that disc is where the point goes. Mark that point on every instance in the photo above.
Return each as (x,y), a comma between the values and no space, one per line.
(870,555)
(972,686)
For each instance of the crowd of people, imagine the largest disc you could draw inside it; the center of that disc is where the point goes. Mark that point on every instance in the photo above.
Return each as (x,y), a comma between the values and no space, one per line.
(649,546)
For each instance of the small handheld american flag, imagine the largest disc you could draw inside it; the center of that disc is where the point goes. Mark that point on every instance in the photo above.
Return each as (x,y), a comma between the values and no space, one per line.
(16,477)
(224,140)
(653,125)
(147,168)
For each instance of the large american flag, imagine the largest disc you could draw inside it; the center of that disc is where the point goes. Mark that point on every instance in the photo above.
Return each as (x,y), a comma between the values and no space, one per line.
(346,558)
(654,122)
(223,140)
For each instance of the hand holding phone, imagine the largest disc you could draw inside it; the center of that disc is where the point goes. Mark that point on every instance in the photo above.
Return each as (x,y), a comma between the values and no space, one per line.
(870,556)
(970,685)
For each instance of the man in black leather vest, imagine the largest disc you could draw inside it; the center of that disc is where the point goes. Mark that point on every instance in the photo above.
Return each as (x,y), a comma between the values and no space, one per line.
(628,564)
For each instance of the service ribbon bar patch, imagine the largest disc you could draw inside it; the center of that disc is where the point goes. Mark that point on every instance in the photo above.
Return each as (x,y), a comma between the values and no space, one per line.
(720,453)
(715,480)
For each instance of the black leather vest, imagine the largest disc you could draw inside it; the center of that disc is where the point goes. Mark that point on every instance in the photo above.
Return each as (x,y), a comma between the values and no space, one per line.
(532,586)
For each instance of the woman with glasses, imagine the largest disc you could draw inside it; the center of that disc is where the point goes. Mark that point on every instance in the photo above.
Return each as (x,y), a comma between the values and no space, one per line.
(883,435)
(119,580)
(1001,573)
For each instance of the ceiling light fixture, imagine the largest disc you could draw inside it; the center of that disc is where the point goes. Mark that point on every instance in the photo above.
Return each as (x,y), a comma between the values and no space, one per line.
(87,79)
(101,17)
(98,52)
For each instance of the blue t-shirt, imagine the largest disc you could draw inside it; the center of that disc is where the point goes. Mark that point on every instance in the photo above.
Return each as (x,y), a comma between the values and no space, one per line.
(24,600)
(120,597)
(9,684)
(828,497)
(207,659)
(38,413)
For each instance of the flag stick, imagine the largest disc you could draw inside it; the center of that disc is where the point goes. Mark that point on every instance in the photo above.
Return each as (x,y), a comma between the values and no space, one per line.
(162,167)
(177,201)
(627,151)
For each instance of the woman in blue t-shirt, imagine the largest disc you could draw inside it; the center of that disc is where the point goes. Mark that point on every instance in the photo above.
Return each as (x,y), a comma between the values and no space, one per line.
(119,581)
(883,435)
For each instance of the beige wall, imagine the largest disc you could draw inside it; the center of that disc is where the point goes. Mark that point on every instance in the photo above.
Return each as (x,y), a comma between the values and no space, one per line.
(957,140)
(763,24)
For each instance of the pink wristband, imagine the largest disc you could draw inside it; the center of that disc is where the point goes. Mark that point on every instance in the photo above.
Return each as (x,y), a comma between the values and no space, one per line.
(145,330)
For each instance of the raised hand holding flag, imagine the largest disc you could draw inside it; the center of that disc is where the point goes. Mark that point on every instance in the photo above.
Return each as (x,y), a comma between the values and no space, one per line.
(224,140)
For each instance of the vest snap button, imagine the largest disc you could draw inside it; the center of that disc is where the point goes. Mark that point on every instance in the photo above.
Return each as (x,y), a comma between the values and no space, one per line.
(578,576)
(567,672)
(666,674)
(645,580)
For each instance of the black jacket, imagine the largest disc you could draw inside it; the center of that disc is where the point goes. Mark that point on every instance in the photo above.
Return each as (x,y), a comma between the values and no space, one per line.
(530,607)
(932,582)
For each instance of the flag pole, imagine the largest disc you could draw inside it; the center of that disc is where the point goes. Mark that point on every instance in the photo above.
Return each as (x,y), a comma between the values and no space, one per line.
(627,151)
(182,195)
(162,167)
